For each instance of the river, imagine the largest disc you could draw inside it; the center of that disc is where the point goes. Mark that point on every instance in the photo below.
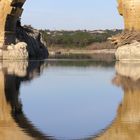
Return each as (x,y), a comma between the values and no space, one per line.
(69,100)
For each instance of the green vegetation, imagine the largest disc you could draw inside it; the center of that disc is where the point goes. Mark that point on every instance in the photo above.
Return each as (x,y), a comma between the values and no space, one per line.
(78,38)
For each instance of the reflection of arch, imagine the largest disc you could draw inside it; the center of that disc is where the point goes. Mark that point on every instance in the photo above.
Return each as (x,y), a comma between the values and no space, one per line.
(126,125)
(17,124)
(12,85)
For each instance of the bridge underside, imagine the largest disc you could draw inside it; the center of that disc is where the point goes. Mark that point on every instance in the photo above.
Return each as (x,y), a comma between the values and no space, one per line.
(10,13)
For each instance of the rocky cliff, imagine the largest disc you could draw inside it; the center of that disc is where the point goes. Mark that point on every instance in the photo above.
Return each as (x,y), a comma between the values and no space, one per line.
(36,46)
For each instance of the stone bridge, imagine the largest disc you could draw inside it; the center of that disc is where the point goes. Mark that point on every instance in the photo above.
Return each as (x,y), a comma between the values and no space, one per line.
(10,13)
(11,10)
(17,42)
(130,10)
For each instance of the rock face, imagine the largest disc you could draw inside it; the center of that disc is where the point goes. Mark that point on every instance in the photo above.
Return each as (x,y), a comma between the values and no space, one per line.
(130,10)
(29,45)
(128,49)
(128,52)
(36,46)
(126,37)
(127,44)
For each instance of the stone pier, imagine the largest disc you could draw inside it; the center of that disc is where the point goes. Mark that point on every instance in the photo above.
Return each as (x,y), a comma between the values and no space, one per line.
(10,13)
(130,10)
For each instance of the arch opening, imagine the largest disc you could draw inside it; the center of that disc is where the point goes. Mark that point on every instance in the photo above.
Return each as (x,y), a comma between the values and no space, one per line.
(11,11)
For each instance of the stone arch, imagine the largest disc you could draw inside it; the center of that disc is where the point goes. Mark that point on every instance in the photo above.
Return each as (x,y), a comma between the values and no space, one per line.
(10,12)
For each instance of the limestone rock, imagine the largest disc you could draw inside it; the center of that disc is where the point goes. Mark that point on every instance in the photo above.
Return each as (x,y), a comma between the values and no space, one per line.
(128,69)
(16,52)
(10,47)
(21,46)
(128,52)
(126,37)
(11,32)
(37,47)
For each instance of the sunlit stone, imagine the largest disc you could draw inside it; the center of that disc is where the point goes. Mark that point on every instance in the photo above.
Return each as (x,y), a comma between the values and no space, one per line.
(130,10)
(10,12)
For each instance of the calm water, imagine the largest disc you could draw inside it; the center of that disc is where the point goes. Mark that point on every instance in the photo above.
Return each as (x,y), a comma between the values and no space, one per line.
(69,100)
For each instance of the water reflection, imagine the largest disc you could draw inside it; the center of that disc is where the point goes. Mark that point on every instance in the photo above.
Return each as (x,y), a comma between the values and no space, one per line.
(127,123)
(13,123)
(72,103)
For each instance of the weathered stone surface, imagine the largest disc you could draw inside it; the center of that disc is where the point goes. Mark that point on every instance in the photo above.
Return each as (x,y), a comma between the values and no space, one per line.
(10,12)
(37,47)
(11,32)
(126,37)
(130,10)
(128,52)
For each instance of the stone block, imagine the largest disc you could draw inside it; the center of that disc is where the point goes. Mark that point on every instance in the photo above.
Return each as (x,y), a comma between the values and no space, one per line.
(10,12)
(129,52)
(130,10)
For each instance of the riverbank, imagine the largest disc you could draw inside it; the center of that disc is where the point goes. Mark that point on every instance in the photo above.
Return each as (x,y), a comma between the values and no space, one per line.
(80,44)
(97,55)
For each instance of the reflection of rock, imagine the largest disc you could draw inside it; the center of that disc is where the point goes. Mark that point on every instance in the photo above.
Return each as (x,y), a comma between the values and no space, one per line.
(127,123)
(128,52)
(13,122)
(16,52)
(18,68)
(128,69)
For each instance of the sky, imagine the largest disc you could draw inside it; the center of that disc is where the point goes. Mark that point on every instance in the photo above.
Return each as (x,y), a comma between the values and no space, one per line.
(72,14)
